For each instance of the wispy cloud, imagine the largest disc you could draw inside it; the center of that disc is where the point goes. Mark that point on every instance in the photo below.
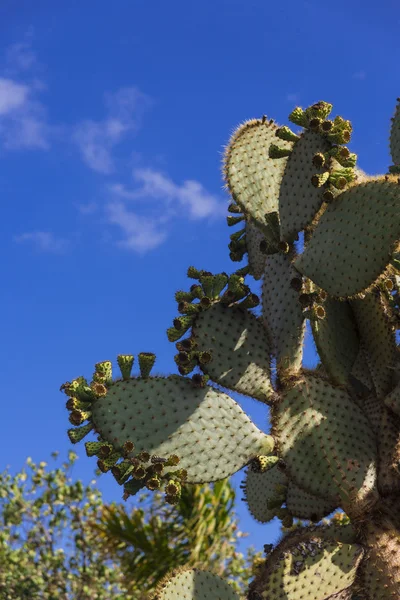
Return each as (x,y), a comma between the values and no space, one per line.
(23,121)
(189,199)
(23,118)
(44,241)
(96,139)
(141,234)
(163,201)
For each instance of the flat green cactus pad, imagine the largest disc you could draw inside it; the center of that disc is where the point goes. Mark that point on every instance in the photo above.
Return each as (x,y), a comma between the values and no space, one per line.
(378,340)
(389,453)
(327,443)
(336,339)
(193,584)
(251,176)
(260,490)
(299,200)
(256,259)
(373,408)
(392,400)
(353,242)
(209,432)
(282,312)
(303,505)
(315,567)
(361,371)
(239,347)
(395,136)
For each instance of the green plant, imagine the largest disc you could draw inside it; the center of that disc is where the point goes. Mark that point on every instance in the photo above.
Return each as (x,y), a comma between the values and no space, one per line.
(58,540)
(335,437)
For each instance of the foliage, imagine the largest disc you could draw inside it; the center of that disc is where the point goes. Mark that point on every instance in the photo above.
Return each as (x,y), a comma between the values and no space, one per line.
(58,540)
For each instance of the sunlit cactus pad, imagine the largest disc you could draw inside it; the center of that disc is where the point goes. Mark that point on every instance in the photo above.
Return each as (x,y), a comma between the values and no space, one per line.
(193,584)
(326,442)
(173,415)
(310,565)
(251,176)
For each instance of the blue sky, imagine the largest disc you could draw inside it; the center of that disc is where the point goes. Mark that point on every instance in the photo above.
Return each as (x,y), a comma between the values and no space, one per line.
(113,119)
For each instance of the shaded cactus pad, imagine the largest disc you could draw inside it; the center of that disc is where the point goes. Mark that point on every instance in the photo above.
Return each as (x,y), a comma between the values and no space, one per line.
(354,239)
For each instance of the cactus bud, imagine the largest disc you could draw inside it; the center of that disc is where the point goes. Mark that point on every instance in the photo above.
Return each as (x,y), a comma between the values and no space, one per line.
(284,133)
(298,117)
(146,363)
(296,283)
(125,363)
(318,160)
(277,152)
(319,179)
(234,208)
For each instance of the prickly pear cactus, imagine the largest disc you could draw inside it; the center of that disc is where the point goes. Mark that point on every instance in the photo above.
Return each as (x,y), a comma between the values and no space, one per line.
(325,240)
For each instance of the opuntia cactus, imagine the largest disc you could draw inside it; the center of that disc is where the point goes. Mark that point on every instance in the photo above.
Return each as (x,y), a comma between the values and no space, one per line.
(325,239)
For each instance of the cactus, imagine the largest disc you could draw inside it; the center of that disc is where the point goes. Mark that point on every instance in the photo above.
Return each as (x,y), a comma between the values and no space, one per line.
(334,443)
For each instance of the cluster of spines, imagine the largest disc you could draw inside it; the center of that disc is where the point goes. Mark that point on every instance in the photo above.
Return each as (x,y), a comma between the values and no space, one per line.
(338,132)
(207,292)
(81,398)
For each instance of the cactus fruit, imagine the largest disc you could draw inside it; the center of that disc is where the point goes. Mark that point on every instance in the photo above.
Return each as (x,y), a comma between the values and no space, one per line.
(334,443)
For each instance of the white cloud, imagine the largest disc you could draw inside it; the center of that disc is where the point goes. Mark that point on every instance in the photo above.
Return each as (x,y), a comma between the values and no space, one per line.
(190,198)
(23,121)
(165,199)
(13,96)
(44,241)
(141,233)
(96,139)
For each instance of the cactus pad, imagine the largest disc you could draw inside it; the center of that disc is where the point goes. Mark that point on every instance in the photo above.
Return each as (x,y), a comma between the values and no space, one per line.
(320,568)
(247,152)
(299,200)
(327,443)
(353,242)
(378,340)
(395,140)
(193,584)
(260,491)
(239,347)
(165,416)
(282,312)
(336,339)
(303,505)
